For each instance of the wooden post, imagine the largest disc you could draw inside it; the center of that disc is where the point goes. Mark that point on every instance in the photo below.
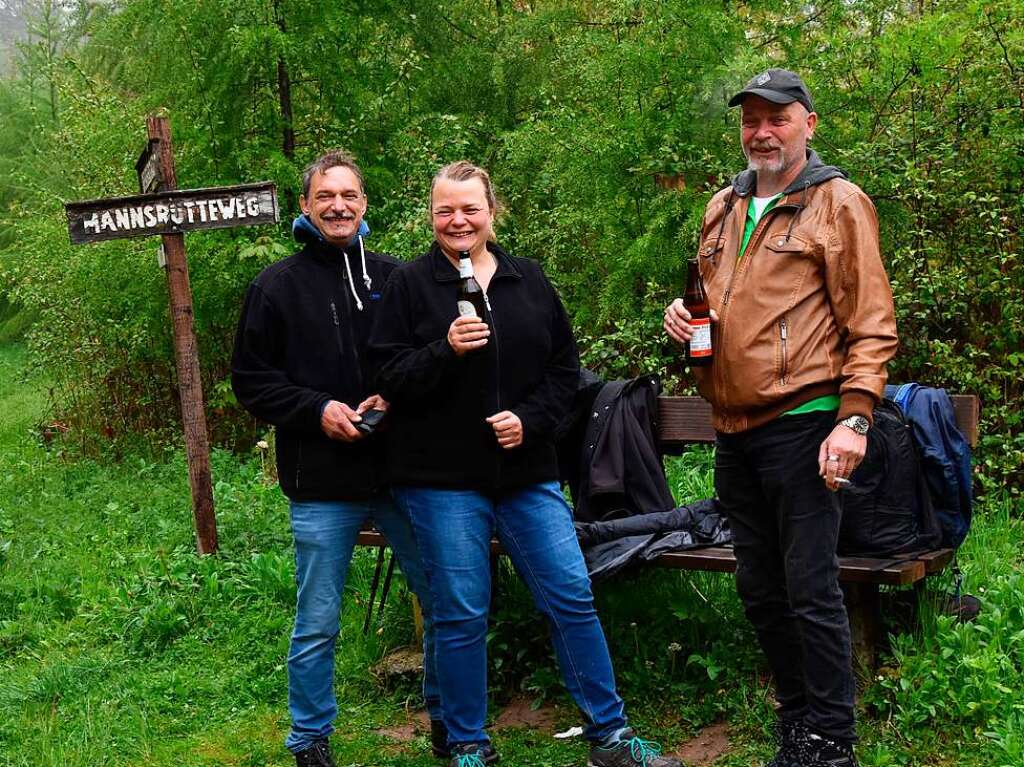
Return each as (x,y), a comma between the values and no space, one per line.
(186,353)
(864,611)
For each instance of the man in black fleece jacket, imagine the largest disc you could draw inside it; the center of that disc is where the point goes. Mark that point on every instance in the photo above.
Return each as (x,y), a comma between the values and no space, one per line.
(299,364)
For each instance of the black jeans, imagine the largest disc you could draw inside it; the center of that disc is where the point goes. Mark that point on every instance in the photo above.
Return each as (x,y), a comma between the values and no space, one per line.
(785,526)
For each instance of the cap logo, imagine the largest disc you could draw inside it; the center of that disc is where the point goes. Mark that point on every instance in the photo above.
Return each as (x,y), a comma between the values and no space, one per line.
(761,79)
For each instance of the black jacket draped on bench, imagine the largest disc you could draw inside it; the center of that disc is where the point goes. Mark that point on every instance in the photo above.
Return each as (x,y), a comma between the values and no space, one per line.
(624,509)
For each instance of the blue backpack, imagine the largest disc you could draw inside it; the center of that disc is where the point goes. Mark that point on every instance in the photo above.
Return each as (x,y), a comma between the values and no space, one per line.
(945,456)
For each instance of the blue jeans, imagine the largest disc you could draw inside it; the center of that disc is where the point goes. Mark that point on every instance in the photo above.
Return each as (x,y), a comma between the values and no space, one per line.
(325,534)
(454,530)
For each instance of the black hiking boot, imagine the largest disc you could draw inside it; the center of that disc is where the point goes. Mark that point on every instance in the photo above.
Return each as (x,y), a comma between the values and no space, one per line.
(819,751)
(629,751)
(317,755)
(789,734)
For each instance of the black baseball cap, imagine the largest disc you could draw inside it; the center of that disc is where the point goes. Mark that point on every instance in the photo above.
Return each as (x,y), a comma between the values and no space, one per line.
(779,86)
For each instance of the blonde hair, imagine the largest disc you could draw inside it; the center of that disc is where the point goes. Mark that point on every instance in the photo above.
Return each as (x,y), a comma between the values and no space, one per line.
(463,170)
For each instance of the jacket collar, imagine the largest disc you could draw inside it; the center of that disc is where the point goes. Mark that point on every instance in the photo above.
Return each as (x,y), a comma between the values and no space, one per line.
(814,172)
(306,232)
(445,271)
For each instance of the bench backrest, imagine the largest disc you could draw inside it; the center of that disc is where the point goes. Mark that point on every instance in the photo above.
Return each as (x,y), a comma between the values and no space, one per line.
(684,420)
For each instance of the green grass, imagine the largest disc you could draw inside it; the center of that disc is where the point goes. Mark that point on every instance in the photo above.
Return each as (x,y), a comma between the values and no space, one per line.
(120,646)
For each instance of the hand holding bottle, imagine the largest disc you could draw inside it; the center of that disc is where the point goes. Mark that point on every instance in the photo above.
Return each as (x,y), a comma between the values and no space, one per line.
(677,322)
(467,333)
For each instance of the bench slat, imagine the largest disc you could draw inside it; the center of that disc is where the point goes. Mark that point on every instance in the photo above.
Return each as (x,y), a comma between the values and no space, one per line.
(720,559)
(688,419)
(684,419)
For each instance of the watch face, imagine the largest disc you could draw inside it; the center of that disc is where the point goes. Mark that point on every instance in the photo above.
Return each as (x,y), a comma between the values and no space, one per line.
(858,423)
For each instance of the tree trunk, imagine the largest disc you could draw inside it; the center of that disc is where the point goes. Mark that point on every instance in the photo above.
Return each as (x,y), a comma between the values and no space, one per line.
(284,95)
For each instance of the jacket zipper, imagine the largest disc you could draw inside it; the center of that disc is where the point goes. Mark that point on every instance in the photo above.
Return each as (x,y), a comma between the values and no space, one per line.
(298,465)
(784,335)
(337,327)
(497,380)
(738,266)
(356,365)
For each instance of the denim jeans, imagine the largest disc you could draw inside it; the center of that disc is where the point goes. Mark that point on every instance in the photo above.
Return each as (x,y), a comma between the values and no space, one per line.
(454,530)
(325,534)
(785,526)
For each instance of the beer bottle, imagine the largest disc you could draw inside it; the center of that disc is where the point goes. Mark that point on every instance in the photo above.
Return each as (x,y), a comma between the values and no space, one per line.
(695,299)
(471,295)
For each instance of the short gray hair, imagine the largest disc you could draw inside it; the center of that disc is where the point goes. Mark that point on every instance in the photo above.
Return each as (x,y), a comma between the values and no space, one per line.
(333,158)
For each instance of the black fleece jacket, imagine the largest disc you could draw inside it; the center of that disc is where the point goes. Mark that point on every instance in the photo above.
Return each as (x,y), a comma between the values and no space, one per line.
(301,342)
(439,401)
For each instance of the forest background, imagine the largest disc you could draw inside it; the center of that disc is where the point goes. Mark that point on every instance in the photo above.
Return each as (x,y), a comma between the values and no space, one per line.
(605,127)
(606,130)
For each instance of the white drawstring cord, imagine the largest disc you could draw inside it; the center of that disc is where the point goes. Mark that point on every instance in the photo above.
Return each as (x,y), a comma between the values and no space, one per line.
(351,282)
(362,257)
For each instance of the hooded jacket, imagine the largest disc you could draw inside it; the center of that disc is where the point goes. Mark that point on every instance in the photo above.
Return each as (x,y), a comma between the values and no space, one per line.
(301,342)
(806,312)
(439,401)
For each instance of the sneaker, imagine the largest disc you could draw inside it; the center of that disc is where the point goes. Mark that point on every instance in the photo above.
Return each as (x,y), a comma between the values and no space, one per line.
(317,755)
(819,751)
(629,751)
(439,744)
(472,755)
(789,734)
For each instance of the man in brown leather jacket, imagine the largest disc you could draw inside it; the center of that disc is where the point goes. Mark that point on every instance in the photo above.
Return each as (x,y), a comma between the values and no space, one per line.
(803,328)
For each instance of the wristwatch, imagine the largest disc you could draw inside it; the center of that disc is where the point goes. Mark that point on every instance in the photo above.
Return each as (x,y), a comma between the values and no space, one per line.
(858,423)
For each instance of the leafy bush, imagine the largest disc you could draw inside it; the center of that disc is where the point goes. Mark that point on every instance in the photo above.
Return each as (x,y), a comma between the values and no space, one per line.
(606,131)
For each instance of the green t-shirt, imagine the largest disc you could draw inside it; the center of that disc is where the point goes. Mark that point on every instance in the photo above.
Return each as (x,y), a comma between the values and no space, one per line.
(829,401)
(752,219)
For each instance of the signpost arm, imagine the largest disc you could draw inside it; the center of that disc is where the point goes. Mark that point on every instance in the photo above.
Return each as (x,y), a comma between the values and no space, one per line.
(186,353)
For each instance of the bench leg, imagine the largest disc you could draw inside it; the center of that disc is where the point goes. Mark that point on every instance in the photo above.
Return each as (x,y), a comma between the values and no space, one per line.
(863,609)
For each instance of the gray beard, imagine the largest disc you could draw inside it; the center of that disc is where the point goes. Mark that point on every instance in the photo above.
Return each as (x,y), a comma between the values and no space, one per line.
(769,167)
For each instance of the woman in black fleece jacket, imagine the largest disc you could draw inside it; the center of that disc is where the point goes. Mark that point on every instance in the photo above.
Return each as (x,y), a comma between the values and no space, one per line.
(474,406)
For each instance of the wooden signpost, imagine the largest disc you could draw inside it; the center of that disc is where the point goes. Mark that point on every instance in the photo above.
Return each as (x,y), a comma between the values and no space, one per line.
(162,209)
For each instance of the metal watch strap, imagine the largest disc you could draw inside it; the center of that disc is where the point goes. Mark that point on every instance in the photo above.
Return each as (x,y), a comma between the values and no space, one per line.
(858,423)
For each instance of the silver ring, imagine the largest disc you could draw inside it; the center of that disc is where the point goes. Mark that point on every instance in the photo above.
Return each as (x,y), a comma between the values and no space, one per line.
(833,457)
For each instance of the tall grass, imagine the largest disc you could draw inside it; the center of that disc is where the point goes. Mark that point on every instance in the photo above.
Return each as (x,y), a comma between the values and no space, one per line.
(120,646)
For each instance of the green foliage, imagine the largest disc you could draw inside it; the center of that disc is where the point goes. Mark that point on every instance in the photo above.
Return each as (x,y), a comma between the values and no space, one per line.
(604,126)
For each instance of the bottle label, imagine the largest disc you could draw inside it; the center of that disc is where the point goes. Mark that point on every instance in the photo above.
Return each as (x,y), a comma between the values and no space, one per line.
(465,268)
(700,343)
(466,309)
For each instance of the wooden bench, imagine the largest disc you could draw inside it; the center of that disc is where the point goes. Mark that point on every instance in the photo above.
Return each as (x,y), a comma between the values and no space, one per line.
(687,420)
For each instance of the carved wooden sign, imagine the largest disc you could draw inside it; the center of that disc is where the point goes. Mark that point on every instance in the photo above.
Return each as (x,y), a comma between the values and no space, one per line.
(165,210)
(171,212)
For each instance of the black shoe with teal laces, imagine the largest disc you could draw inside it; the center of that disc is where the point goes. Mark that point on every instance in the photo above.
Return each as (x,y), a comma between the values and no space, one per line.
(627,750)
(470,755)
(439,743)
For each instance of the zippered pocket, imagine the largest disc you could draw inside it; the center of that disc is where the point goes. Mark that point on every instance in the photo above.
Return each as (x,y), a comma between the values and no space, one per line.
(337,331)
(783,338)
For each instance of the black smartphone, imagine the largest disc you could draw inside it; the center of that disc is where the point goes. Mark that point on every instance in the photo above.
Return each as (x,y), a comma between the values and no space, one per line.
(371,419)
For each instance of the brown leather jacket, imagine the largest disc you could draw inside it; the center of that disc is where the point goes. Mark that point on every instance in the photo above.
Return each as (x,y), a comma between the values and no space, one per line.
(806,312)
